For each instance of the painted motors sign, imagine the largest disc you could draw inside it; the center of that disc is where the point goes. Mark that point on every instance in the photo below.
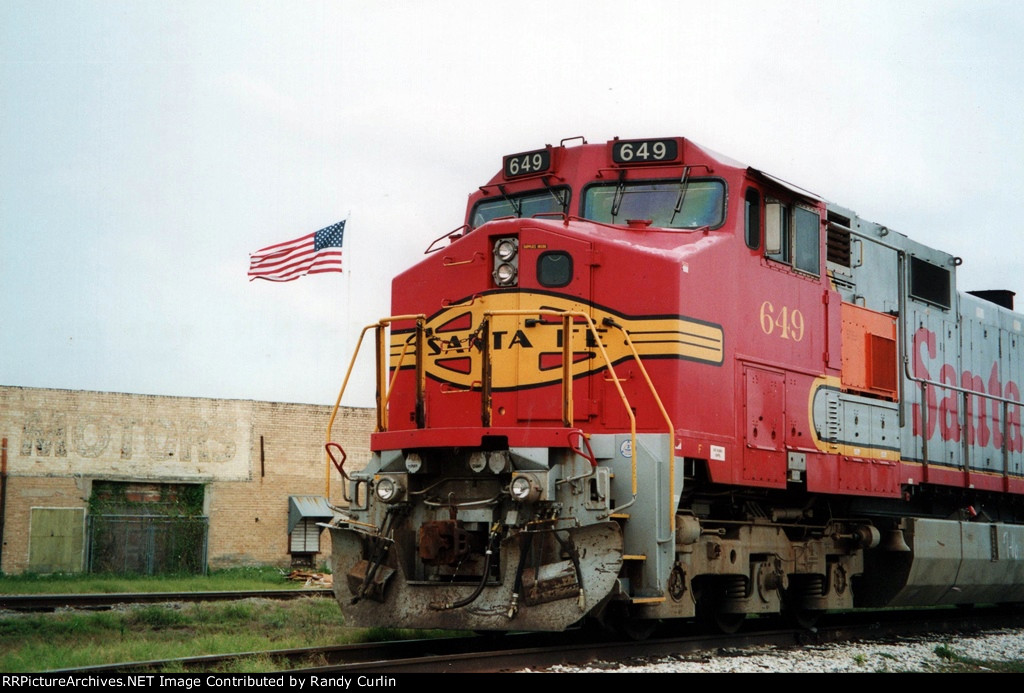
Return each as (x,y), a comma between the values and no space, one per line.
(125,436)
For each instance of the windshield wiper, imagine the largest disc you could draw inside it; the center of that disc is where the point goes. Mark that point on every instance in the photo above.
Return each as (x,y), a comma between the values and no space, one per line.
(561,196)
(515,203)
(620,194)
(684,183)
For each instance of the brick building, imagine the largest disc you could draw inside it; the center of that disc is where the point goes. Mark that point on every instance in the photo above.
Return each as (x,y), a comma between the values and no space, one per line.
(111,481)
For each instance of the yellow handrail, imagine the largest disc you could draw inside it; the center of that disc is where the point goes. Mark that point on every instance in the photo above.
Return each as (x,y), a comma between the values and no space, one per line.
(668,421)
(567,375)
(382,398)
(384,387)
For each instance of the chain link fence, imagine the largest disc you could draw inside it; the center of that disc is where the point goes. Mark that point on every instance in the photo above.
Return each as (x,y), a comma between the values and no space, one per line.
(147,544)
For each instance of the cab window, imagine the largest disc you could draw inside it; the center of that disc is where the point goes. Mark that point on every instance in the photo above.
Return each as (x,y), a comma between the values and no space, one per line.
(792,236)
(752,218)
(692,204)
(550,201)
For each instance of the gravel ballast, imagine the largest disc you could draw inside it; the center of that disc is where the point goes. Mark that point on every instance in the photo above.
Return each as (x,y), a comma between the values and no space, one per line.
(916,654)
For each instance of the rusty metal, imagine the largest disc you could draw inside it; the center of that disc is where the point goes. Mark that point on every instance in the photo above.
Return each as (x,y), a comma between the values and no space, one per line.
(484,574)
(379,549)
(407,603)
(550,582)
(677,583)
(445,542)
(366,581)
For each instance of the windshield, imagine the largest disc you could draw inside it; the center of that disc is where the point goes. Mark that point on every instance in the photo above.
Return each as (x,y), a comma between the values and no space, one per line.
(550,201)
(671,205)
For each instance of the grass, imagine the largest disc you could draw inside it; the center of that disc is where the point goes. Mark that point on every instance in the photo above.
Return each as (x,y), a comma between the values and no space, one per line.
(950,661)
(954,662)
(71,639)
(255,578)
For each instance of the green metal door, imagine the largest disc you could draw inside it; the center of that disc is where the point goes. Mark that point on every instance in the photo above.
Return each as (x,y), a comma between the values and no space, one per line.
(56,540)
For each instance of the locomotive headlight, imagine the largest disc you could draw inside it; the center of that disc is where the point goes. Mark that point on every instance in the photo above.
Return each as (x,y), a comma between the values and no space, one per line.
(505,274)
(478,461)
(498,461)
(413,462)
(505,249)
(524,488)
(389,489)
(506,261)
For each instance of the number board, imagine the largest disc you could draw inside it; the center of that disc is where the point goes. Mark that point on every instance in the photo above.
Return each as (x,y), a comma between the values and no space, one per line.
(527,163)
(644,151)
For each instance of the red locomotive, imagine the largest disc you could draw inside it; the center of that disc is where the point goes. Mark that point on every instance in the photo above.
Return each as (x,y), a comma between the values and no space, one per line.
(644,381)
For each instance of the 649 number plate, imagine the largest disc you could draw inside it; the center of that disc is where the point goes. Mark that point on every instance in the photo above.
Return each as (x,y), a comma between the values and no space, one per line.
(644,151)
(527,163)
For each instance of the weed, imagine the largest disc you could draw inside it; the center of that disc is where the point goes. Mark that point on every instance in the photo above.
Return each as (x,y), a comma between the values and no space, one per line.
(245,578)
(43,642)
(237,611)
(157,617)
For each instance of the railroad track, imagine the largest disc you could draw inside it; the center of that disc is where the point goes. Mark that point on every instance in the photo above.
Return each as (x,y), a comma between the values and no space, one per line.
(52,602)
(537,651)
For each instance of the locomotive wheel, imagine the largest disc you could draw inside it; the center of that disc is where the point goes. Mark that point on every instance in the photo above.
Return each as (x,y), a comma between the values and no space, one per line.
(710,613)
(637,628)
(728,623)
(491,634)
(619,621)
(807,618)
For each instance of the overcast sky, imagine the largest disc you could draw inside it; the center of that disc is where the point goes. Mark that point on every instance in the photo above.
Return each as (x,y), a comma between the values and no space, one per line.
(147,147)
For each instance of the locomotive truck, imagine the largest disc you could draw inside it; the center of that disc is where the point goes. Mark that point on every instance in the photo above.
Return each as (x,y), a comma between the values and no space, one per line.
(644,381)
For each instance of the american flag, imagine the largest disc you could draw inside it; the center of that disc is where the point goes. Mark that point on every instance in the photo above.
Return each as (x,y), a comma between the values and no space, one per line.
(314,253)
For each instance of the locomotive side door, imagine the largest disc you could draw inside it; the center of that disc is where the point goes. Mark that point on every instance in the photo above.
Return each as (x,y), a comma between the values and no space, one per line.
(764,452)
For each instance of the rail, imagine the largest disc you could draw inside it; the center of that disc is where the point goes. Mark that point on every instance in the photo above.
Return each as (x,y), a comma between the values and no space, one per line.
(107,600)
